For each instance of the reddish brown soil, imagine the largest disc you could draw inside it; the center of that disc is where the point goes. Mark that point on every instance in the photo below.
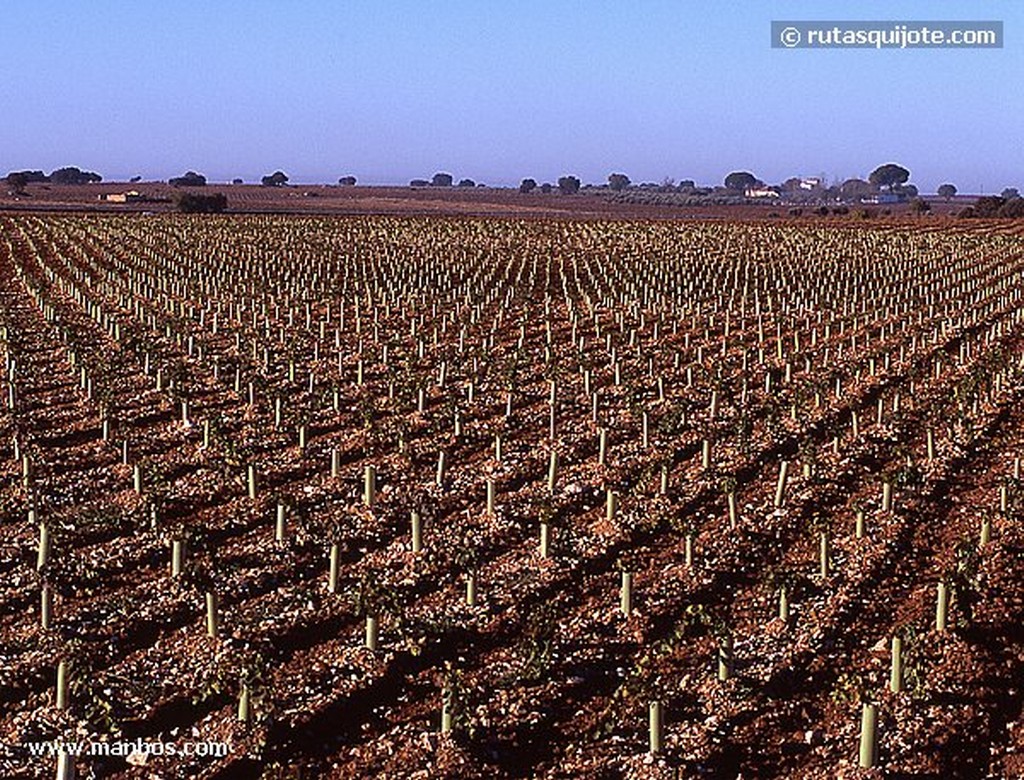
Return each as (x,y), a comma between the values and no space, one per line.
(547,677)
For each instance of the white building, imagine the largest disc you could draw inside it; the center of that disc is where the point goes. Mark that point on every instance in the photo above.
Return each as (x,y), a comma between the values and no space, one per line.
(755,192)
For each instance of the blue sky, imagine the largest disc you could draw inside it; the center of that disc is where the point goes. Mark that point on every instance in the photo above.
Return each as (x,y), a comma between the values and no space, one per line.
(389,91)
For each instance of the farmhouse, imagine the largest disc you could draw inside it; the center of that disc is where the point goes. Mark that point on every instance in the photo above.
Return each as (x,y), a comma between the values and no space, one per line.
(132,196)
(761,192)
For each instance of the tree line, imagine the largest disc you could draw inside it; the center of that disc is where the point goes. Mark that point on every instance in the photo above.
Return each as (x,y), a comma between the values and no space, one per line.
(19,180)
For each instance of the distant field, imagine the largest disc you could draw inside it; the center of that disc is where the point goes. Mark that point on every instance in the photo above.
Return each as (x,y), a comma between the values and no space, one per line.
(446,497)
(425,201)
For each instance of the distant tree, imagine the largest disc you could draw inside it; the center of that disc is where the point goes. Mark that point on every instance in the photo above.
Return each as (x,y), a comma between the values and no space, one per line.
(237,181)
(189,179)
(441,180)
(568,185)
(906,190)
(740,181)
(1010,192)
(191,203)
(947,191)
(17,182)
(546,188)
(72,175)
(1013,208)
(855,189)
(31,177)
(419,183)
(920,206)
(276,179)
(135,179)
(618,181)
(987,206)
(527,186)
(467,183)
(347,181)
(889,175)
(686,185)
